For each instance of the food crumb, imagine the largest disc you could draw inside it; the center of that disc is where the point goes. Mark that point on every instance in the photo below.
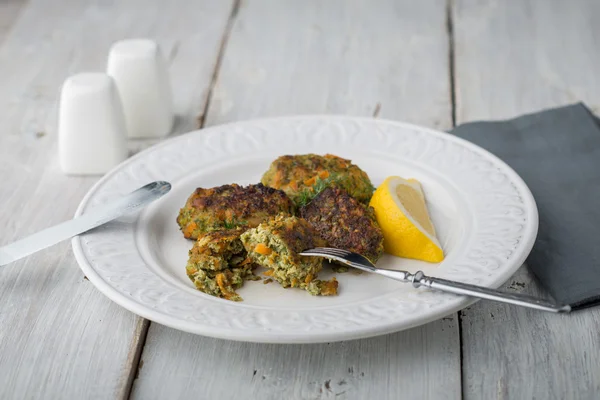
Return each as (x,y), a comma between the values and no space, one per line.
(340,269)
(267,281)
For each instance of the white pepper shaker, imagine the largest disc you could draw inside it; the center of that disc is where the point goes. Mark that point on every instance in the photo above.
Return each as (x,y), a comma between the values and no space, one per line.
(140,72)
(92,137)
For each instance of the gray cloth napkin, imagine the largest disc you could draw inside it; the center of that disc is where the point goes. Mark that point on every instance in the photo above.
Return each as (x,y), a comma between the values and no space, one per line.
(557,153)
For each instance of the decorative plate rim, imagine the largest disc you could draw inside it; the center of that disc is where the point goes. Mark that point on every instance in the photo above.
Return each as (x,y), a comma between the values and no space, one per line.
(449,304)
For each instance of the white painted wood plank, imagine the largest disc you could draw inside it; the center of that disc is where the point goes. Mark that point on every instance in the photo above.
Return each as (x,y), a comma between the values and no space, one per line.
(416,364)
(347,57)
(513,58)
(59,337)
(290,57)
(518,57)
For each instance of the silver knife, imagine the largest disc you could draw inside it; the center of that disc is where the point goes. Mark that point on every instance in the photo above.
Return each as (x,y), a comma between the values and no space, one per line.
(92,219)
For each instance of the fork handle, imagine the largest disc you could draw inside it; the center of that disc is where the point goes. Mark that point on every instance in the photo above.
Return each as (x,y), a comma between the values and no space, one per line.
(419,279)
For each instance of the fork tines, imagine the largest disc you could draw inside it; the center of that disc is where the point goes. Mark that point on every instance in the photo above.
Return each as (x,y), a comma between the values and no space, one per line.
(329,250)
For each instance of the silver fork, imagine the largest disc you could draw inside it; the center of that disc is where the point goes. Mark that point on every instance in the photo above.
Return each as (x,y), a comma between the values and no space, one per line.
(419,279)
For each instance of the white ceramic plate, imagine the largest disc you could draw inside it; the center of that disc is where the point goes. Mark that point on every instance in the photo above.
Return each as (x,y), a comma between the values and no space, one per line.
(484,213)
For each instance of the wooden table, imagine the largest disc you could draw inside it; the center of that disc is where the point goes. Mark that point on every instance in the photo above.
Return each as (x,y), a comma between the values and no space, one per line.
(427,62)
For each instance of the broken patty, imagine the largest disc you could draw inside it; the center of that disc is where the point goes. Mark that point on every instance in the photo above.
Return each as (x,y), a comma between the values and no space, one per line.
(230,206)
(275,244)
(345,223)
(223,283)
(218,264)
(217,250)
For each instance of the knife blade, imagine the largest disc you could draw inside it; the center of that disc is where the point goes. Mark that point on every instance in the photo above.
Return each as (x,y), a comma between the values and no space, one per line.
(92,219)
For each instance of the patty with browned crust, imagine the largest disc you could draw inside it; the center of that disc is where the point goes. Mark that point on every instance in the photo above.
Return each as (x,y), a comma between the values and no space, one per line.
(231,206)
(345,223)
(302,177)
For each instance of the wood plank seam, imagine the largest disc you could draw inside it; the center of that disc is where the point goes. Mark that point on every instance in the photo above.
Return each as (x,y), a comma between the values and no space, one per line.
(452,77)
(137,361)
(228,28)
(450,31)
(10,12)
(135,356)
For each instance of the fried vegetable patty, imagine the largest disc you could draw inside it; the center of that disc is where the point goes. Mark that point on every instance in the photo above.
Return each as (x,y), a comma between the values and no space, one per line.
(223,283)
(275,244)
(217,250)
(218,264)
(302,177)
(230,206)
(345,223)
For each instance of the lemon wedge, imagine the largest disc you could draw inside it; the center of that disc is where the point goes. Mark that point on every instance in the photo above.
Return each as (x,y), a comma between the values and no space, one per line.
(402,214)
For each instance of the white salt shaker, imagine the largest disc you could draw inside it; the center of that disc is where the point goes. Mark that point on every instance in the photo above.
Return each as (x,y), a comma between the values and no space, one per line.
(140,72)
(92,136)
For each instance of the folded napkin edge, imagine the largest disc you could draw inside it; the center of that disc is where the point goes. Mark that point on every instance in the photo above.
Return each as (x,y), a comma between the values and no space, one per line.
(533,114)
